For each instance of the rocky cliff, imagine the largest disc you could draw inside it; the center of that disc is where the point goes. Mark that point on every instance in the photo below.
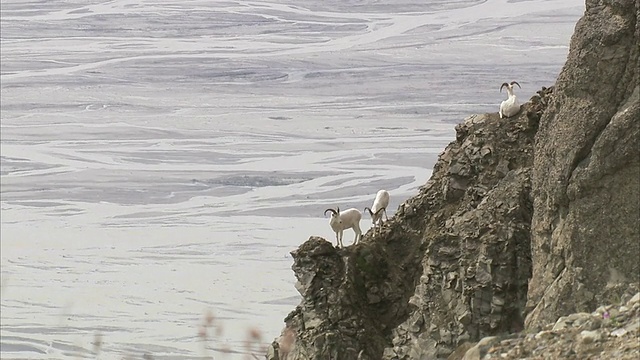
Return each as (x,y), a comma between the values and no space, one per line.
(609,332)
(531,217)
(453,264)
(585,227)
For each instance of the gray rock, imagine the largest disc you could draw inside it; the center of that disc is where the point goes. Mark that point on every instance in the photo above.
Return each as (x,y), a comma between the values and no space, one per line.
(619,332)
(545,334)
(574,320)
(588,337)
(460,351)
(465,318)
(633,326)
(491,217)
(585,176)
(479,349)
(560,324)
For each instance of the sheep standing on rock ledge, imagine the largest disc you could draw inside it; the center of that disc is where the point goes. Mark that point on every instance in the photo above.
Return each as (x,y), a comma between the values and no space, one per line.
(511,106)
(348,219)
(379,206)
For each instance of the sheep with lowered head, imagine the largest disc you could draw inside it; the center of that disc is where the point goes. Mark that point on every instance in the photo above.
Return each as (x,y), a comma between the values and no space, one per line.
(348,219)
(379,207)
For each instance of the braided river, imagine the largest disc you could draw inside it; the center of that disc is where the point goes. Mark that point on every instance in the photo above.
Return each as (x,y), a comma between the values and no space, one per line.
(160,159)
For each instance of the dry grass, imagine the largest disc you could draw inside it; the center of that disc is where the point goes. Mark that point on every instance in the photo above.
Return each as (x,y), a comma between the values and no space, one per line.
(211,329)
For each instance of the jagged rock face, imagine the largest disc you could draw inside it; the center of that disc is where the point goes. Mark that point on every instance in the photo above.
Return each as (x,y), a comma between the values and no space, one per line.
(610,332)
(451,265)
(586,175)
(352,297)
(477,262)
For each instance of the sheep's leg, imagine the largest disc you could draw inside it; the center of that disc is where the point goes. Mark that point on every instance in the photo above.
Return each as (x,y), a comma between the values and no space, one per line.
(385,214)
(356,229)
(340,239)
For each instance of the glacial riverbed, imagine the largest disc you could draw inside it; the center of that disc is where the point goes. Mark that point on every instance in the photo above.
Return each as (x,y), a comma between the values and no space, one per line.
(160,159)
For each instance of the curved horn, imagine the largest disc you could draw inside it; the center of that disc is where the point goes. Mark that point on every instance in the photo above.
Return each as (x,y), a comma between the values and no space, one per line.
(332,211)
(515,82)
(369,210)
(381,209)
(503,85)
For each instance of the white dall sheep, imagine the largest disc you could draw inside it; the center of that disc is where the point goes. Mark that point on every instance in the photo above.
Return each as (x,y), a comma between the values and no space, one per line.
(379,207)
(348,219)
(511,106)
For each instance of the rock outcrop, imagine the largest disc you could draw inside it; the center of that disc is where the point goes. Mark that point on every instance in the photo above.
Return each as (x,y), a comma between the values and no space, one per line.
(609,332)
(352,298)
(477,261)
(524,220)
(452,265)
(586,228)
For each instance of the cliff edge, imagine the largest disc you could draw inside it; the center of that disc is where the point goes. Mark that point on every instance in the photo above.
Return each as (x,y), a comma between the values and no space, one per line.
(452,265)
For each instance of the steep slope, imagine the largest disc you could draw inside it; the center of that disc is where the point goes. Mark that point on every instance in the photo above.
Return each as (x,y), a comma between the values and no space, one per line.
(452,264)
(586,229)
(610,332)
(477,260)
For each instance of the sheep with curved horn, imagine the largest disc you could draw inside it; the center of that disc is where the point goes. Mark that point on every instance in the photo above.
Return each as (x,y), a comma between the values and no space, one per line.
(348,219)
(511,106)
(379,207)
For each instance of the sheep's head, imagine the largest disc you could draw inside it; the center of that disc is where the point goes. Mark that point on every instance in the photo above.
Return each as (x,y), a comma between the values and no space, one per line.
(376,215)
(509,86)
(335,214)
